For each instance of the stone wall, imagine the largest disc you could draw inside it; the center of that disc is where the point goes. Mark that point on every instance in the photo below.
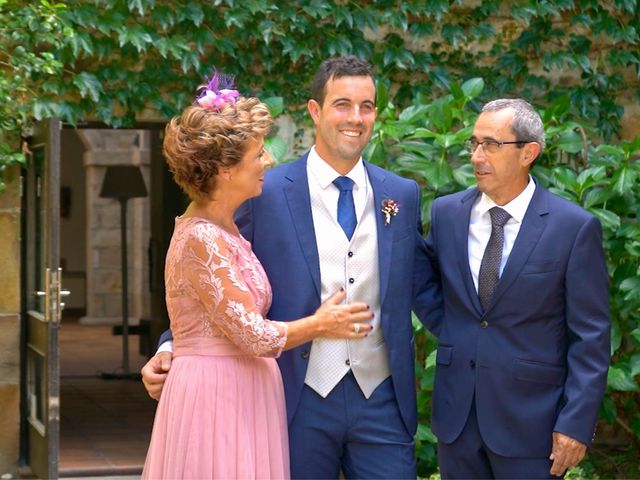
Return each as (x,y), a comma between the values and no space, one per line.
(10,327)
(104,283)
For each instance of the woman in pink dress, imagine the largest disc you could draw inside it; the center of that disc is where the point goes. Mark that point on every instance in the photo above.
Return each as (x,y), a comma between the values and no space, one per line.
(222,411)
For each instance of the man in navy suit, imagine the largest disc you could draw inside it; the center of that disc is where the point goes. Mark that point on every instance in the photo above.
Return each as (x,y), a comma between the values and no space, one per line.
(331,220)
(524,344)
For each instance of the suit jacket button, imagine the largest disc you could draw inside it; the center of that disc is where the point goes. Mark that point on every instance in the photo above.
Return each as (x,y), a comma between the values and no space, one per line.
(472,363)
(350,254)
(484,324)
(351,280)
(304,354)
(347,362)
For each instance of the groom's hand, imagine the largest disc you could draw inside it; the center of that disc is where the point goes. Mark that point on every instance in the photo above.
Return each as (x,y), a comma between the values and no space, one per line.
(566,452)
(154,373)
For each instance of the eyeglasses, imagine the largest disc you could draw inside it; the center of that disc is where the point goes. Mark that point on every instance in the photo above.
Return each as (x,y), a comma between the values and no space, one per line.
(490,146)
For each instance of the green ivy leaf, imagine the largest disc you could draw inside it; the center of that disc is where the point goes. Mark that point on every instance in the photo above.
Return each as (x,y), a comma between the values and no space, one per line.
(591,176)
(423,133)
(43,109)
(136,36)
(277,148)
(616,337)
(316,9)
(483,31)
(566,178)
(632,288)
(189,60)
(447,140)
(193,13)
(625,180)
(596,196)
(609,219)
(275,105)
(523,14)
(413,113)
(558,108)
(80,42)
(382,95)
(583,61)
(424,434)
(621,380)
(136,5)
(453,34)
(473,87)
(440,114)
(437,174)
(376,154)
(88,85)
(343,16)
(608,410)
(430,361)
(634,363)
(569,141)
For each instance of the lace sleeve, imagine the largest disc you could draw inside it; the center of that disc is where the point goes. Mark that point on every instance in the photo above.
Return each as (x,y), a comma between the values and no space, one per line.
(212,271)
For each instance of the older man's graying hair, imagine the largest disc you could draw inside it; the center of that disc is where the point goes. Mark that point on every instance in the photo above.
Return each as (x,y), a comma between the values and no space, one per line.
(527,124)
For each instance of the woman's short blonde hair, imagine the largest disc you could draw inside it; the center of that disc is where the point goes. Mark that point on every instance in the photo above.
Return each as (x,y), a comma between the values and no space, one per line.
(200,141)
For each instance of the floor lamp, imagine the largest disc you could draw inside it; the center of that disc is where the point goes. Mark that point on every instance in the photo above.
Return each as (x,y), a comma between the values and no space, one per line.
(123,182)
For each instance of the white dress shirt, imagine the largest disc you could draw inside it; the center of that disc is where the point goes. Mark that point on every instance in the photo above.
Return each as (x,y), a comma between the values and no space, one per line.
(323,175)
(480,227)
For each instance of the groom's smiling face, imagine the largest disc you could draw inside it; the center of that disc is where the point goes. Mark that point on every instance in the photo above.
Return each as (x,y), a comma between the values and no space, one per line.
(344,122)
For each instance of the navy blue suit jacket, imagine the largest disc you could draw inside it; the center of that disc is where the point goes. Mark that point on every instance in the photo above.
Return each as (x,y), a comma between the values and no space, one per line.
(537,358)
(279,225)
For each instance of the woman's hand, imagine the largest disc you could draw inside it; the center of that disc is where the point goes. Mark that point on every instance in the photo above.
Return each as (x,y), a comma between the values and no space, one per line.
(338,320)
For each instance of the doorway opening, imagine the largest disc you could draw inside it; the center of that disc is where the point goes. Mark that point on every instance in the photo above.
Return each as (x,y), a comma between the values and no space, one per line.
(105,421)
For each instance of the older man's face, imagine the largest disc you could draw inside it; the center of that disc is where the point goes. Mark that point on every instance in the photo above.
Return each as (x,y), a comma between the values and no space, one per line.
(502,175)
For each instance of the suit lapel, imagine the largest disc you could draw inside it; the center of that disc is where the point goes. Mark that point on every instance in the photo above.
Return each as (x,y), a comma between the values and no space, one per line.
(296,191)
(385,236)
(461,242)
(532,227)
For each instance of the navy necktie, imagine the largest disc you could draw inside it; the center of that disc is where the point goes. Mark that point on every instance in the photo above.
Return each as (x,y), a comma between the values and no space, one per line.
(346,208)
(490,265)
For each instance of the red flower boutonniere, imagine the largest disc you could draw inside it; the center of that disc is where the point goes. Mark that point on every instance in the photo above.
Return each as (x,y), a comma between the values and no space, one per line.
(390,208)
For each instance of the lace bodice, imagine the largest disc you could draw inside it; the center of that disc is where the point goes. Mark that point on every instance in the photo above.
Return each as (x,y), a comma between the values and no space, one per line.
(216,287)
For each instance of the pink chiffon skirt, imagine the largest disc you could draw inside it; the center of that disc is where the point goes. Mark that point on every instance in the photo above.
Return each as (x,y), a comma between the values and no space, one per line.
(220,417)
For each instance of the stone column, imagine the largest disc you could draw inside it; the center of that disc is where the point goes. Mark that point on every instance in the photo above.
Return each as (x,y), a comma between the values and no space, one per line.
(104,304)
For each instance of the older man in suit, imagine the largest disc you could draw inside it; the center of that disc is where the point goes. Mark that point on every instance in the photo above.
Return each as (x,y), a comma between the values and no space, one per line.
(332,220)
(524,347)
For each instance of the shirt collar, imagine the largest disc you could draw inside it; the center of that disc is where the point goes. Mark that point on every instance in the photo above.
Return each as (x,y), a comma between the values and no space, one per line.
(325,174)
(516,207)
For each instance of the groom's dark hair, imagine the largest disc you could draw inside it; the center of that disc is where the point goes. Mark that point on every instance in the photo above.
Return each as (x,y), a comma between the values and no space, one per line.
(336,67)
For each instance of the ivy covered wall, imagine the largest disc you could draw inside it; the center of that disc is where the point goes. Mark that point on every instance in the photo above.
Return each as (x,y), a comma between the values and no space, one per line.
(115,60)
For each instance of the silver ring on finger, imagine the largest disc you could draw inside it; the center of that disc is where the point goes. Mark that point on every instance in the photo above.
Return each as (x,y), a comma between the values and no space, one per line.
(356,328)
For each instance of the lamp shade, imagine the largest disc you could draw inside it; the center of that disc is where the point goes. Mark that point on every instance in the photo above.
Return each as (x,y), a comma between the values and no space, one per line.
(123,181)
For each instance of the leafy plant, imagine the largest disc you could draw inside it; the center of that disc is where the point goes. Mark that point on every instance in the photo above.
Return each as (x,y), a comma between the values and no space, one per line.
(28,35)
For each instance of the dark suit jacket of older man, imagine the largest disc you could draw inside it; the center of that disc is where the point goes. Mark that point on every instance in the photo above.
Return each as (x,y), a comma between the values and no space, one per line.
(536,360)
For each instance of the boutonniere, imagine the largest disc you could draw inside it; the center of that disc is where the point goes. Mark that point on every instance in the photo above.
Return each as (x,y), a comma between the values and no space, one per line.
(390,208)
